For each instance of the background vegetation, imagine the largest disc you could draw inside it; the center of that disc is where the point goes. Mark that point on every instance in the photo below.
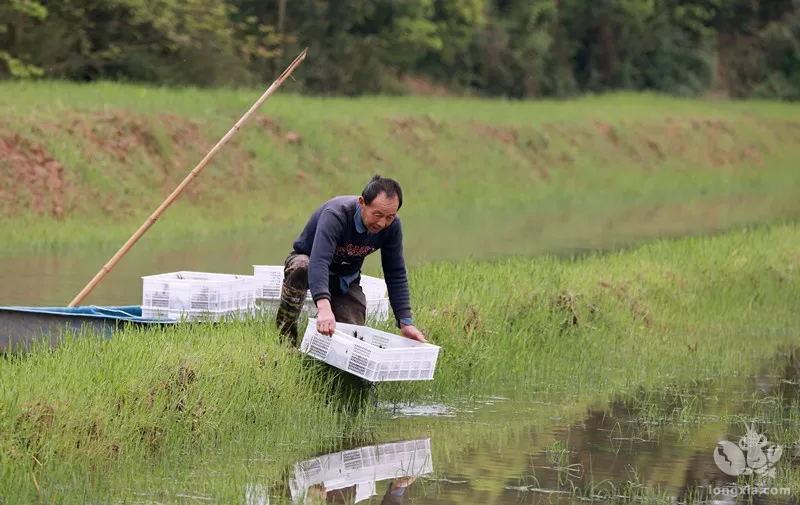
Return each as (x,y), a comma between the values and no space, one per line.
(85,164)
(515,48)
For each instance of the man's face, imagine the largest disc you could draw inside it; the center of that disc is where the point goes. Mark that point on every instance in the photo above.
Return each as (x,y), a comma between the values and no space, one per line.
(380,213)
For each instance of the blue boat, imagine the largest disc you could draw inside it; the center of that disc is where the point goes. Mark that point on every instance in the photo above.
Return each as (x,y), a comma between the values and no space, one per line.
(21,327)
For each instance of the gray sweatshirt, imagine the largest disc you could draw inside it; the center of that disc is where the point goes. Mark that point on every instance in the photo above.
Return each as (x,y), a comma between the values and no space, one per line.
(337,242)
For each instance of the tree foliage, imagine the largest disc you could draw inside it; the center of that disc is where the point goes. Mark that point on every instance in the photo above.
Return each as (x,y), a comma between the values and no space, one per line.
(515,48)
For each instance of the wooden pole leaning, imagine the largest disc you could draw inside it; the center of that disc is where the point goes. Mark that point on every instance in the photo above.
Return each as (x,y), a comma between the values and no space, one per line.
(179,189)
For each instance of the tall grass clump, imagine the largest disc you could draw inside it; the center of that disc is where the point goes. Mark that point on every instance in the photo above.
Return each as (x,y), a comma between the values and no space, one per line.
(177,391)
(571,331)
(670,310)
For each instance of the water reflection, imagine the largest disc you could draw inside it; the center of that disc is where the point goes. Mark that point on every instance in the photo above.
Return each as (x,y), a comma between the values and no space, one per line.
(654,447)
(351,476)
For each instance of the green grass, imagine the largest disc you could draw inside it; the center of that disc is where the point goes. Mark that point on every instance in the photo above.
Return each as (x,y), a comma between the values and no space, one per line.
(493,176)
(205,410)
(573,332)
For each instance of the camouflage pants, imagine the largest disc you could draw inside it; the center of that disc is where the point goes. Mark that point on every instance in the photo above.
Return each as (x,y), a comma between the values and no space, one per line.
(350,307)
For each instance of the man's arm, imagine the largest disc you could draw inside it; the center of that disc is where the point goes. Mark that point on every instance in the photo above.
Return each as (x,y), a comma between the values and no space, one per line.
(394,271)
(328,230)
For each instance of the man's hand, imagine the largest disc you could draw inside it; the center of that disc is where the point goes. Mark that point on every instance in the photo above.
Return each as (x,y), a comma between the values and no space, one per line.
(326,322)
(410,331)
(403,482)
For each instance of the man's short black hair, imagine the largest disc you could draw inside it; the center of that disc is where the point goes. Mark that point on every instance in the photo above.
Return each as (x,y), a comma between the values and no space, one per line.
(378,185)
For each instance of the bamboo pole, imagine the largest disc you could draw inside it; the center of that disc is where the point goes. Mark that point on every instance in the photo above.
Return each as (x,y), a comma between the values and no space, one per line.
(174,195)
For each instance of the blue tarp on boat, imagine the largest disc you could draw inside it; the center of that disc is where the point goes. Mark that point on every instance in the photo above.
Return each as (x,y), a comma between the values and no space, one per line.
(22,326)
(131,313)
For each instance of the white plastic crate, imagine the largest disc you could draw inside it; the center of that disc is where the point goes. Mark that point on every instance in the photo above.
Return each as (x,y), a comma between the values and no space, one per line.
(373,287)
(269,280)
(377,297)
(197,295)
(371,354)
(363,467)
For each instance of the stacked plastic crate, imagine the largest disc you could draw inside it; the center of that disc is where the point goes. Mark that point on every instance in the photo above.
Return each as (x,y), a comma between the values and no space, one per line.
(197,296)
(269,279)
(377,297)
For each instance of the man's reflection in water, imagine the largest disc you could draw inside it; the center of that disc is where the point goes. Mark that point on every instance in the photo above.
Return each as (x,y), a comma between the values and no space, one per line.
(395,493)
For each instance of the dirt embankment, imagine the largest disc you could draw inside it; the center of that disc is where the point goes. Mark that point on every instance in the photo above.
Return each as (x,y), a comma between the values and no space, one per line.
(690,143)
(112,160)
(115,161)
(35,181)
(30,178)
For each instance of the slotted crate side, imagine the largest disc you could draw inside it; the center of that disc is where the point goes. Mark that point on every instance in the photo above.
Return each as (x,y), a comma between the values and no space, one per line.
(193,293)
(160,293)
(334,350)
(197,292)
(339,350)
(399,359)
(362,362)
(271,272)
(196,299)
(245,293)
(269,281)
(318,346)
(421,368)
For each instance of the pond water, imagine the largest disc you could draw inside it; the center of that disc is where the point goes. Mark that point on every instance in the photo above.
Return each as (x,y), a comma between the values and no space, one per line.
(649,448)
(53,279)
(50,278)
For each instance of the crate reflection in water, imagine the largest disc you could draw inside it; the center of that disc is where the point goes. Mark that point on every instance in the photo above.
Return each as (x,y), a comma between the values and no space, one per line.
(361,468)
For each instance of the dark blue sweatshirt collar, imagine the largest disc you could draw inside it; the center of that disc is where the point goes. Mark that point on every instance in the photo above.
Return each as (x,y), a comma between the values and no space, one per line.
(360,228)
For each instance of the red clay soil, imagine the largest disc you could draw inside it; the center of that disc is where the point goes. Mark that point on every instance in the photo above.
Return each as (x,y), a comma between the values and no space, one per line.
(32,180)
(117,133)
(274,129)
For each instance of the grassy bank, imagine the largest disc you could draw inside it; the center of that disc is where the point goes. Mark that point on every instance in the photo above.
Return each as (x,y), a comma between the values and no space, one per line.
(85,164)
(573,331)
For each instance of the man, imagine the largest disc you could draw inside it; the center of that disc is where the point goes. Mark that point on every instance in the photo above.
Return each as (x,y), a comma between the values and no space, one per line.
(394,495)
(330,251)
